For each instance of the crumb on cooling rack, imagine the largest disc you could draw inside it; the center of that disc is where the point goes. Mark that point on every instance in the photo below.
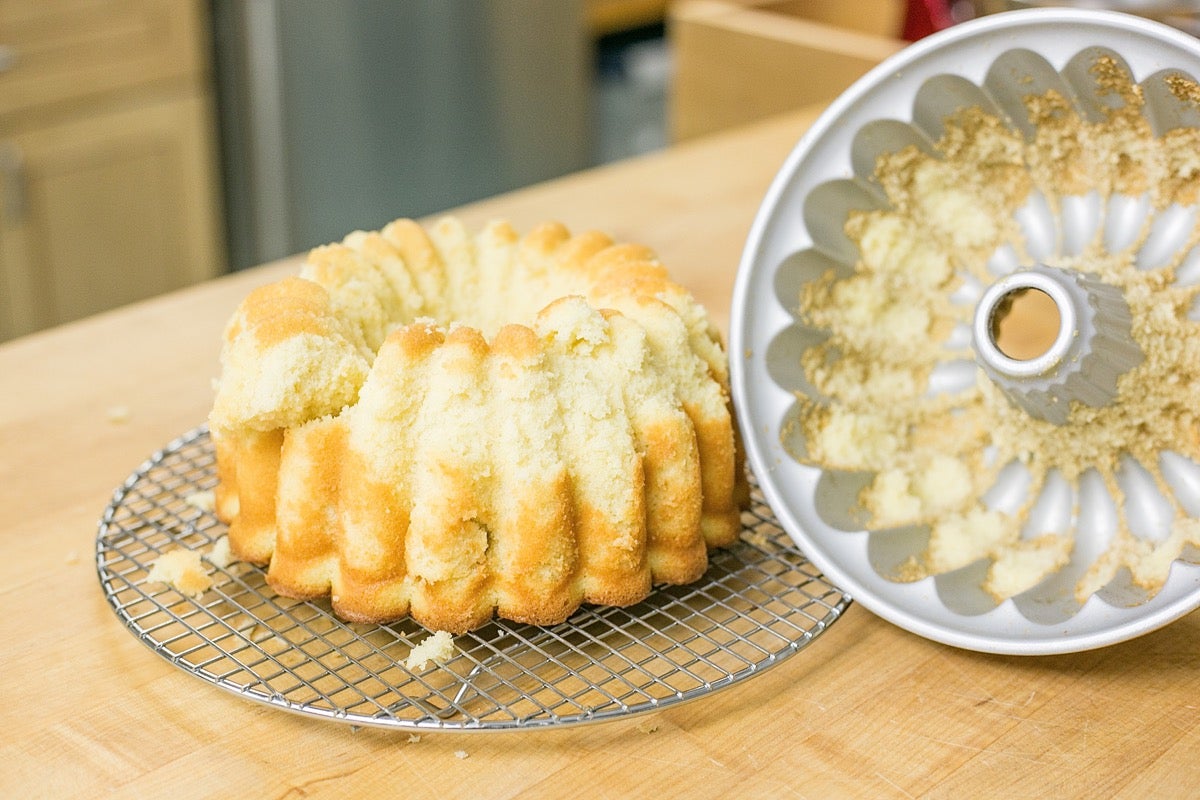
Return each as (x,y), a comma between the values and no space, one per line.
(251,628)
(757,538)
(259,634)
(219,554)
(181,569)
(205,501)
(118,415)
(438,648)
(461,754)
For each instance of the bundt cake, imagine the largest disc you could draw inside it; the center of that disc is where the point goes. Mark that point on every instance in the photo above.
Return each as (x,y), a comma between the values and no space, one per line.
(448,426)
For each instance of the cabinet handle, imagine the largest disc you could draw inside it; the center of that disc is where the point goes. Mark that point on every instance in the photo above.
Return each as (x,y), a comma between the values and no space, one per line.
(12,179)
(8,58)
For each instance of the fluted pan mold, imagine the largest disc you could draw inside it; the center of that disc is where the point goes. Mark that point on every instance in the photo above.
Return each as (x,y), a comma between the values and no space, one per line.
(835,345)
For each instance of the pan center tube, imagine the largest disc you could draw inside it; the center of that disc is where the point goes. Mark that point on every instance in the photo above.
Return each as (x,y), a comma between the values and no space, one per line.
(1049,337)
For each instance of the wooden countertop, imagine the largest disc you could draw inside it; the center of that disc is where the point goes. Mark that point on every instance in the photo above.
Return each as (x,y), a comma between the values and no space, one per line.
(868,710)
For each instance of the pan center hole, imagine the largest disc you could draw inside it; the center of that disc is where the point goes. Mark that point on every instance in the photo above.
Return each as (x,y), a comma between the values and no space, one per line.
(1025,323)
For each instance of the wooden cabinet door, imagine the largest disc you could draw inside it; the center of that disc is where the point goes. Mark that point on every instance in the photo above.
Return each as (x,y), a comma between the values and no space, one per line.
(105,210)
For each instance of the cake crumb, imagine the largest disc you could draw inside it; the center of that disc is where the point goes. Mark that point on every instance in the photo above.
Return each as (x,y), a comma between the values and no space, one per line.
(182,570)
(413,738)
(219,554)
(205,501)
(72,557)
(118,415)
(648,727)
(461,754)
(757,538)
(438,648)
(259,633)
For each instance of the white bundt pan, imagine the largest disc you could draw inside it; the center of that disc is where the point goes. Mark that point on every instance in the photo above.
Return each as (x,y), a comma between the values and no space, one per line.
(806,206)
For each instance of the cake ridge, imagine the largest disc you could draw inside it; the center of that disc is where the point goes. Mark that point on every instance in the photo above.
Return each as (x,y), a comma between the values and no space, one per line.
(432,424)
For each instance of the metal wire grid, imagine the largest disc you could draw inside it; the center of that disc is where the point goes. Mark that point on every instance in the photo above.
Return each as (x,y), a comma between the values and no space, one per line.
(760,602)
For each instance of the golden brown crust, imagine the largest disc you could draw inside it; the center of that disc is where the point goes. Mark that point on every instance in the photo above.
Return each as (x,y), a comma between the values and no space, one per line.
(280,310)
(255,472)
(578,456)
(312,461)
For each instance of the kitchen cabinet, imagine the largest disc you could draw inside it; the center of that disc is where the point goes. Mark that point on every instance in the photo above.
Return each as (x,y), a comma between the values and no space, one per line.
(108,185)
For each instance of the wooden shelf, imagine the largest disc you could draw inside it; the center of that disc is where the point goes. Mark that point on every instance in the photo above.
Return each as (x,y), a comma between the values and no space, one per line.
(736,62)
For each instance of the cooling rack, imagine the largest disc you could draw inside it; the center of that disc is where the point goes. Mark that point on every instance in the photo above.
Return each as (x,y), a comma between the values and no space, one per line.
(760,602)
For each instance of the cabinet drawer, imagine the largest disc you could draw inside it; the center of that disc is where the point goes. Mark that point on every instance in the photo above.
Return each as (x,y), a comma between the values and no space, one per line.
(736,62)
(109,209)
(56,51)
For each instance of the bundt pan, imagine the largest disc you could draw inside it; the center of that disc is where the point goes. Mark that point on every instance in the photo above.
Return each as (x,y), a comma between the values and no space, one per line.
(1093,536)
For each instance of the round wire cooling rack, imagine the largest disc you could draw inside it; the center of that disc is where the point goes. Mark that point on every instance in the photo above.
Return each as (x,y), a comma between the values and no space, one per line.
(760,602)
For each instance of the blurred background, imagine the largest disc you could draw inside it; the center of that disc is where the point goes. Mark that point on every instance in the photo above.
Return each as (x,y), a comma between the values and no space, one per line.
(149,144)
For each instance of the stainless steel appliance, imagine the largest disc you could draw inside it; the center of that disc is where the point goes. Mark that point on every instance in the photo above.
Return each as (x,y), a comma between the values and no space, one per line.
(343,115)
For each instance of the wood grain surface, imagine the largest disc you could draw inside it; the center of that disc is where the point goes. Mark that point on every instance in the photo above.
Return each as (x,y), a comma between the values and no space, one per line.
(868,710)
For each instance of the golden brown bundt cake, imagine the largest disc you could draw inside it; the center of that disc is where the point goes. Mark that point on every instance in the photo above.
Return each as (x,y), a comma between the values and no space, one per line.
(432,424)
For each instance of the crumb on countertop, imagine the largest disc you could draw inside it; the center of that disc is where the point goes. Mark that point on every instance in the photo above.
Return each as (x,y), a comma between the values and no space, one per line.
(461,754)
(118,415)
